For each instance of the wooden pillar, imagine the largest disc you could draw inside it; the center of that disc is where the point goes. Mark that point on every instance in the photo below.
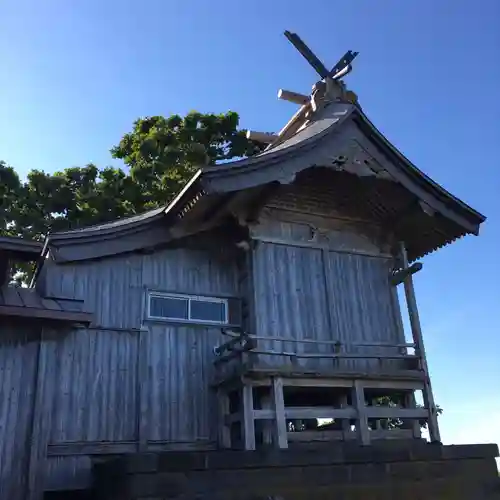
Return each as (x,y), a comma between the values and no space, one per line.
(248,420)
(280,430)
(224,430)
(345,423)
(358,398)
(416,330)
(409,402)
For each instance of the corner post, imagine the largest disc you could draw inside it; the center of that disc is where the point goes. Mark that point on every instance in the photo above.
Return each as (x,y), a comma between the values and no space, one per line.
(416,330)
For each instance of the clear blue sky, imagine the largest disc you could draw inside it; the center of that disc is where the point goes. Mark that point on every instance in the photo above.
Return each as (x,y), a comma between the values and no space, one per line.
(76,74)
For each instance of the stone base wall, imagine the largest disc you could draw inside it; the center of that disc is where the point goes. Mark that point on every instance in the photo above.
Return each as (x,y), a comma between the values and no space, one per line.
(345,471)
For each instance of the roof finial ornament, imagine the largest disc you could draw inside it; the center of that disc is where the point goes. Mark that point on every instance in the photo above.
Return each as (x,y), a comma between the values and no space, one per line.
(330,87)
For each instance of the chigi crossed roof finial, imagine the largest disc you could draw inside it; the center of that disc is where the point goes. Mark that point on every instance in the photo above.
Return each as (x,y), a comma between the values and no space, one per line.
(329,88)
(342,68)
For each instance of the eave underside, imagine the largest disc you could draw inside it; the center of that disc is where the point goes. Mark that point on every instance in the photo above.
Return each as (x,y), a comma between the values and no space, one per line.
(383,204)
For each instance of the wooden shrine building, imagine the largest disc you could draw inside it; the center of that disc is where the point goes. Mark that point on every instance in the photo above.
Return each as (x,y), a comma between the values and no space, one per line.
(258,310)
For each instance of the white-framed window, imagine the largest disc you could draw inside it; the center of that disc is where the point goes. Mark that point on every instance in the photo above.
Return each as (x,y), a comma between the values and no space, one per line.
(188,308)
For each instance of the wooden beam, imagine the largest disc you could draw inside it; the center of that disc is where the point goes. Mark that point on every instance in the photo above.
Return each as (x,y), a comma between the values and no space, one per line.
(89,448)
(317,435)
(391,434)
(416,329)
(263,137)
(318,382)
(295,97)
(333,355)
(302,412)
(248,417)
(280,430)
(325,436)
(393,384)
(399,276)
(389,412)
(320,342)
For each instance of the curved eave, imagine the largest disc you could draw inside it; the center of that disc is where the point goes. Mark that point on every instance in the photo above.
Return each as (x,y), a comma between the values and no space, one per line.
(417,175)
(318,143)
(127,225)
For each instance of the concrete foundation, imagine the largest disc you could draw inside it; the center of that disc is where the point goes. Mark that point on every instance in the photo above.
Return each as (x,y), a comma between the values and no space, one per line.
(344,471)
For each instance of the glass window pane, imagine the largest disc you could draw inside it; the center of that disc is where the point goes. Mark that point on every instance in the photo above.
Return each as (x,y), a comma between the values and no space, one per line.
(168,307)
(205,310)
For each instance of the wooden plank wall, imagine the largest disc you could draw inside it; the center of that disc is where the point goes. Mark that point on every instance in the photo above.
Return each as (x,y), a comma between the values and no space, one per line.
(331,284)
(18,362)
(126,384)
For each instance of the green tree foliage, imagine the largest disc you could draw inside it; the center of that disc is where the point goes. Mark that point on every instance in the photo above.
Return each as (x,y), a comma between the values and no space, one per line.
(161,155)
(162,152)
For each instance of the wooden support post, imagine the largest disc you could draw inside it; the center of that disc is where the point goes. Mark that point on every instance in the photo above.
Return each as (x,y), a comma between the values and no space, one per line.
(267,436)
(224,429)
(346,424)
(416,330)
(361,422)
(248,419)
(280,430)
(409,402)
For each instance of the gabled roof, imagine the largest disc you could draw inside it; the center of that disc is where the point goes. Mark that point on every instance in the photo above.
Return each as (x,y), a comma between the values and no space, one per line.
(336,135)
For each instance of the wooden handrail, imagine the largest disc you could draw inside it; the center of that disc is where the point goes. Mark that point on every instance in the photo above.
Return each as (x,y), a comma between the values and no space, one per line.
(317,341)
(241,343)
(334,355)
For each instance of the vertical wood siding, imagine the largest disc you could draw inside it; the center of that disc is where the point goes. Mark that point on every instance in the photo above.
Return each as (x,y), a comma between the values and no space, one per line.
(290,299)
(180,403)
(95,387)
(97,392)
(323,294)
(180,359)
(18,360)
(111,288)
(362,305)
